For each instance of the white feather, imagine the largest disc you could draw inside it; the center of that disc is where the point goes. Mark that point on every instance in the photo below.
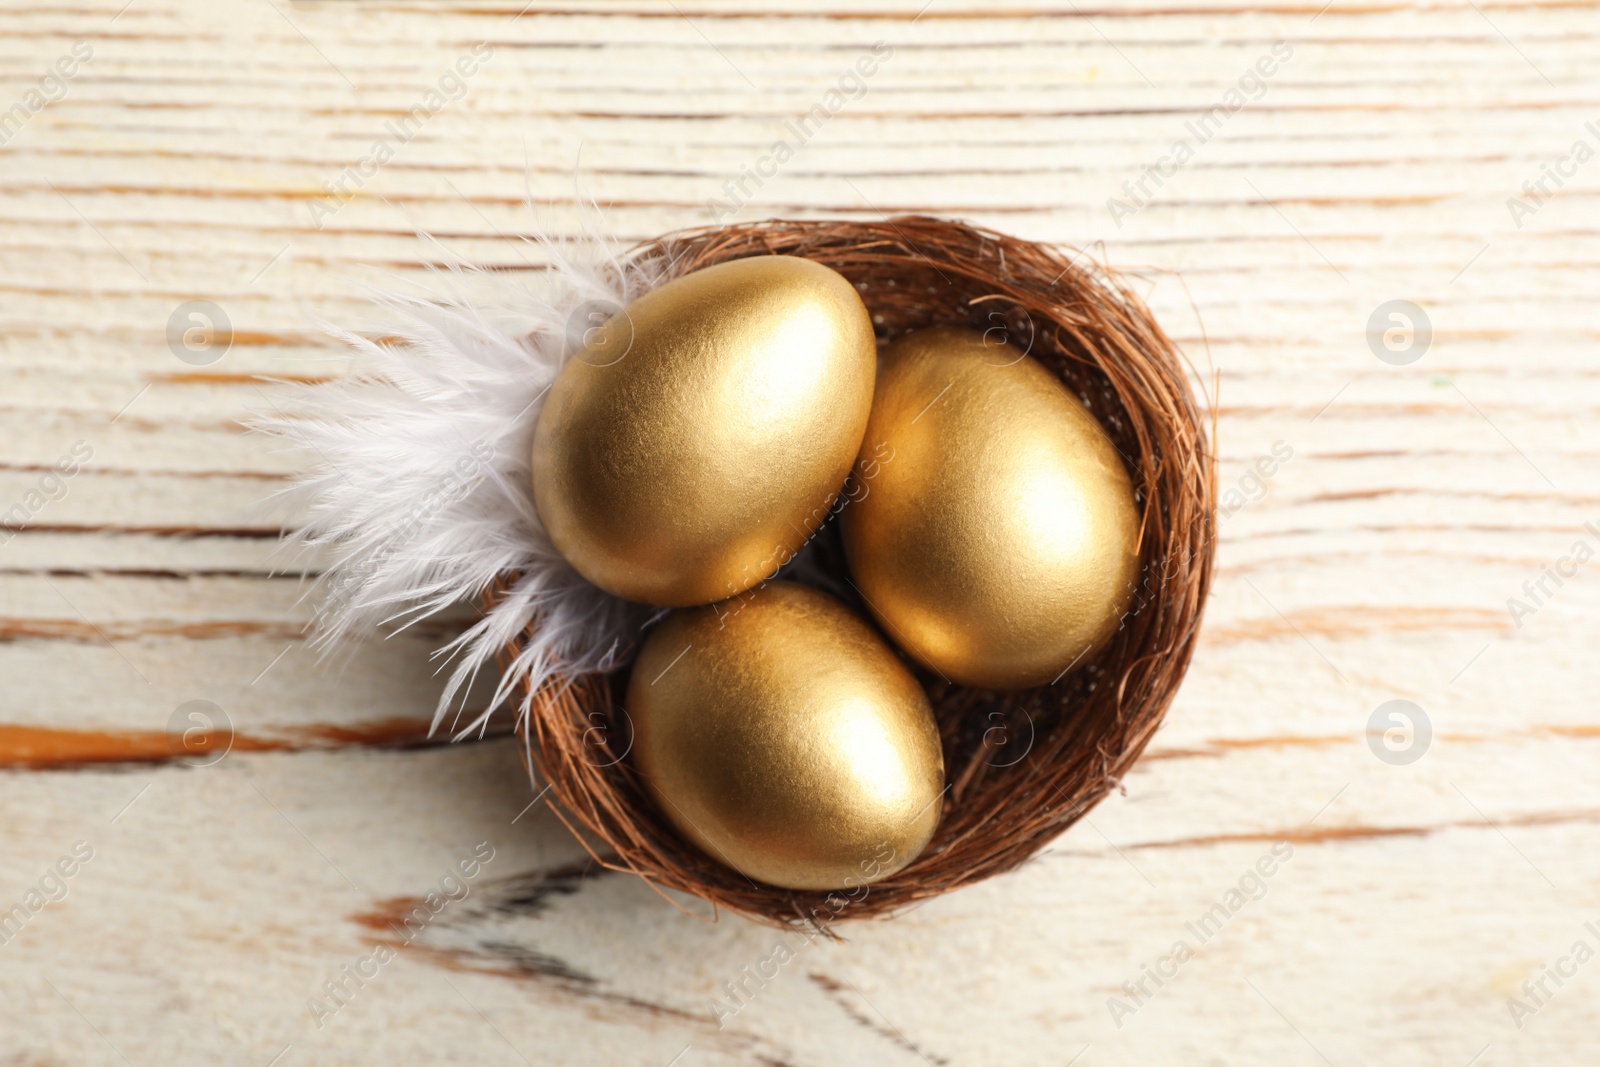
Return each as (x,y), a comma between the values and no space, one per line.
(415,489)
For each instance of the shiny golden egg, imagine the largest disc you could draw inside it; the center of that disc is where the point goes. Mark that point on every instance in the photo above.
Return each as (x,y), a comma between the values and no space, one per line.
(700,435)
(779,733)
(995,534)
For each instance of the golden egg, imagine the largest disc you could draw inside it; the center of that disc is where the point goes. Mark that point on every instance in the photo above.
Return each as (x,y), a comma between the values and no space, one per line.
(702,433)
(995,536)
(779,733)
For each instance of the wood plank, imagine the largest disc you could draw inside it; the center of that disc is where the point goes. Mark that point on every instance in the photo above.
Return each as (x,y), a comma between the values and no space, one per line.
(1374,564)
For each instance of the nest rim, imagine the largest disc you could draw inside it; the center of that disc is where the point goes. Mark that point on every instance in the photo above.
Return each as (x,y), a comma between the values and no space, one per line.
(1083,733)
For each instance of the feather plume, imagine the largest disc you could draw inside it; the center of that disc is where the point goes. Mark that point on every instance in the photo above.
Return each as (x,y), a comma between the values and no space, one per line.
(414,490)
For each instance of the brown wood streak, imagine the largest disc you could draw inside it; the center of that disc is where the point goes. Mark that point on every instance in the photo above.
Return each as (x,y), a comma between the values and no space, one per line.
(39,748)
(1219,747)
(912,12)
(1394,976)
(101,471)
(77,630)
(1573,730)
(222,378)
(834,990)
(594,171)
(876,208)
(254,533)
(443,627)
(1340,623)
(527,896)
(162,574)
(859,115)
(1313,835)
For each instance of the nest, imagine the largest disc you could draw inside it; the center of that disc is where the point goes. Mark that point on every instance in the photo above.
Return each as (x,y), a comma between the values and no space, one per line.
(1024,766)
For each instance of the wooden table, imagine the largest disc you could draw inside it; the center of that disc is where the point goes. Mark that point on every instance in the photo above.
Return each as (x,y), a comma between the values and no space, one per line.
(1383,158)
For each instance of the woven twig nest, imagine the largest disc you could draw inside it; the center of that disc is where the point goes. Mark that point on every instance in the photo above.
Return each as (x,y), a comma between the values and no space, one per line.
(1021,766)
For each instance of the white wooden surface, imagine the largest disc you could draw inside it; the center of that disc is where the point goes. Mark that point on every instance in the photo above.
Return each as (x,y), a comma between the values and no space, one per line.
(181,164)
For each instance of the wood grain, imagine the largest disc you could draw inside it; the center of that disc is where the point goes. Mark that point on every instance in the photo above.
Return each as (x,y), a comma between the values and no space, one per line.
(1376,563)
